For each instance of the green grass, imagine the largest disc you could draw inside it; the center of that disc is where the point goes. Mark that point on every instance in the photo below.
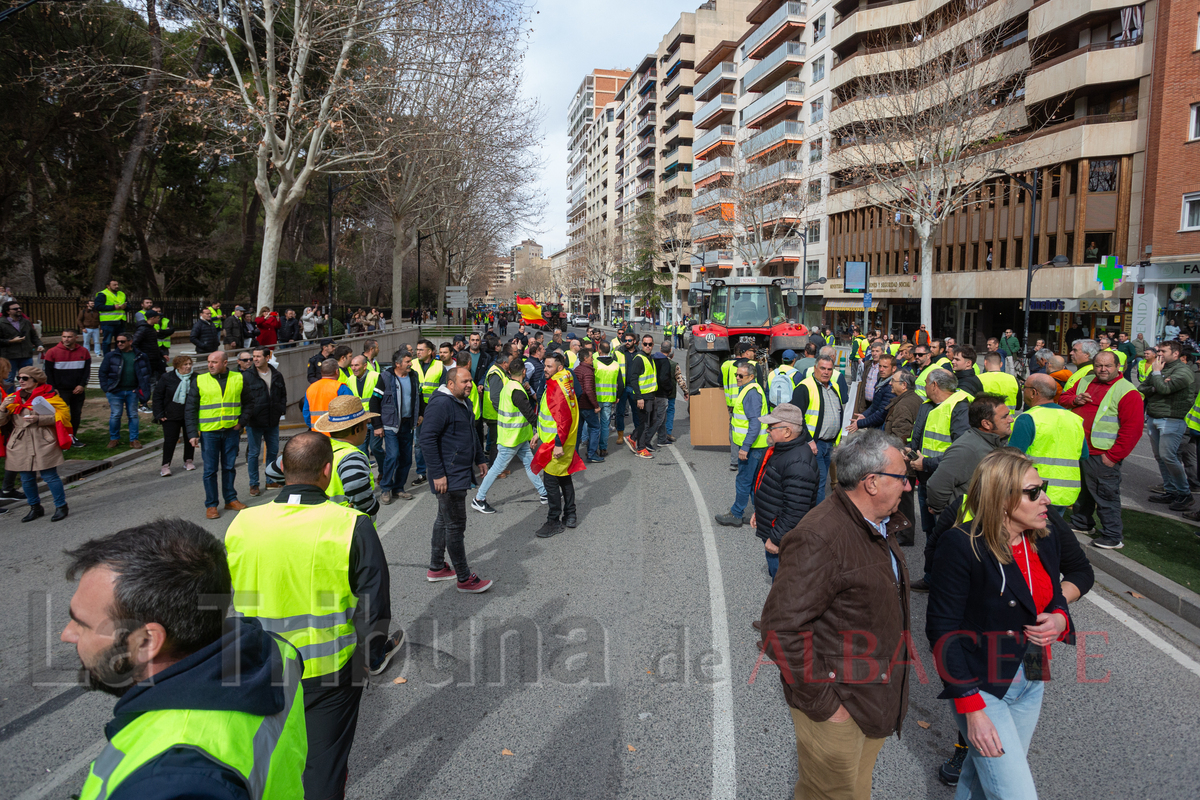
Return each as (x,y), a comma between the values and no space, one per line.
(1170,548)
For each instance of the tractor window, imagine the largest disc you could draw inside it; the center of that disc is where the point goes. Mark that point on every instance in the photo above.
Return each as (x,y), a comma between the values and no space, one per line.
(747,306)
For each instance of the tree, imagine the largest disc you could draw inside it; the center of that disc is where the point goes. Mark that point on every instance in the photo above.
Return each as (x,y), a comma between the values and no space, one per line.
(597,256)
(920,141)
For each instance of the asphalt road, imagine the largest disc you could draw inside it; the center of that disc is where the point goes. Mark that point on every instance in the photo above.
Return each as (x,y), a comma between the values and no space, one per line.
(613,660)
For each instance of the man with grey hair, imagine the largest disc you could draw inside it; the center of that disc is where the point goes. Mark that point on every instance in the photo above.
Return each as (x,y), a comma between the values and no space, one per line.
(1082,353)
(841,569)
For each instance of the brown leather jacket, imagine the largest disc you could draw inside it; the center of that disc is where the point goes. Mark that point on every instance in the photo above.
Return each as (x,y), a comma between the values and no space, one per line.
(841,618)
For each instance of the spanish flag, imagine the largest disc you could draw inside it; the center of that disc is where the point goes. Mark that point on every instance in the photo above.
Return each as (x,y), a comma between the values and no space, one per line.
(531,312)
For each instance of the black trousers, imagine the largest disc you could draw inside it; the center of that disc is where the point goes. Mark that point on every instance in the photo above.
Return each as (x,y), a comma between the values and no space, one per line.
(172,430)
(449,530)
(560,491)
(331,716)
(75,404)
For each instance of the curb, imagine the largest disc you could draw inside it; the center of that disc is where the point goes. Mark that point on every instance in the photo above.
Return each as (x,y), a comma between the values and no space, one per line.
(1167,593)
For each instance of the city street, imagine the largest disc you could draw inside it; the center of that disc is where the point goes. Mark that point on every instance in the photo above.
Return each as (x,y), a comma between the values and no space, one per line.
(613,660)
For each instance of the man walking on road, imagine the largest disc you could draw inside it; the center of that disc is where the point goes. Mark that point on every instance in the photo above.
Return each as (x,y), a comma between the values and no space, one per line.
(430,375)
(589,406)
(149,624)
(643,381)
(266,403)
(364,383)
(398,404)
(452,453)
(610,387)
(214,418)
(750,437)
(786,483)
(558,430)
(515,420)
(272,550)
(110,302)
(841,569)
(1168,391)
(1113,417)
(995,380)
(125,380)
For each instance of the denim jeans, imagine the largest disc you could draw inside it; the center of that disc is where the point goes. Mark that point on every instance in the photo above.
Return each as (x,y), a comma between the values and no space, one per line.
(91,339)
(109,331)
(1165,437)
(591,421)
(418,458)
(397,458)
(606,412)
(669,423)
(220,450)
(626,399)
(124,400)
(504,456)
(372,446)
(1015,717)
(254,442)
(1101,495)
(824,451)
(744,483)
(53,482)
(449,530)
(772,563)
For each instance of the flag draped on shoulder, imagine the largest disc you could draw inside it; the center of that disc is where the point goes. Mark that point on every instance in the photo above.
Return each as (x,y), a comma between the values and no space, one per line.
(563,409)
(531,312)
(62,415)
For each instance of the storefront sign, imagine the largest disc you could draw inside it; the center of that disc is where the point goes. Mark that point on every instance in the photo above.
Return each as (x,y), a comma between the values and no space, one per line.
(1172,272)
(880,287)
(1100,306)
(1054,305)
(1089,305)
(1145,316)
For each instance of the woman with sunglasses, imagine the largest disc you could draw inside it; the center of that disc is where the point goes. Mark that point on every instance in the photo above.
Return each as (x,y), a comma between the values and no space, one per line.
(34,443)
(995,606)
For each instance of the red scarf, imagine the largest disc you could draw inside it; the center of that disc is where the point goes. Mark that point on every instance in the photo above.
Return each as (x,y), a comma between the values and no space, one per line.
(41,390)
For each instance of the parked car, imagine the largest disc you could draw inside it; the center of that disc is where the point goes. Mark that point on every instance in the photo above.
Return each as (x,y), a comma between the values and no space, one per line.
(579,320)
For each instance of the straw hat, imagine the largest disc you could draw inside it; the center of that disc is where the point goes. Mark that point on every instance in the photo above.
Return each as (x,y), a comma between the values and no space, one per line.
(345,411)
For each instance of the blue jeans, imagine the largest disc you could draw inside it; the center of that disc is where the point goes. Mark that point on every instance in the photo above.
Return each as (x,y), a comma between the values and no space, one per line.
(418,458)
(1165,438)
(824,451)
(606,412)
(254,441)
(772,563)
(124,400)
(220,450)
(1015,717)
(55,484)
(504,455)
(109,330)
(744,483)
(669,425)
(397,458)
(626,399)
(372,446)
(91,339)
(591,420)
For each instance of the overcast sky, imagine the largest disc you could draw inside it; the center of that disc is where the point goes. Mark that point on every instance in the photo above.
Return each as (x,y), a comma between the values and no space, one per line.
(571,38)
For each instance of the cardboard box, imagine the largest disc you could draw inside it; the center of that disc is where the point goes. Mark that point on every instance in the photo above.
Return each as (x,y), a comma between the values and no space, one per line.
(709,418)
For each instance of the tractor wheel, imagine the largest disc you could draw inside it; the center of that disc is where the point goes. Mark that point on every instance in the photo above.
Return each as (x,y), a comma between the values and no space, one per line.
(704,371)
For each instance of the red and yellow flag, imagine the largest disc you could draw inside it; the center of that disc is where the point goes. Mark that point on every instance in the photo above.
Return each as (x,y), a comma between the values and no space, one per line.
(531,312)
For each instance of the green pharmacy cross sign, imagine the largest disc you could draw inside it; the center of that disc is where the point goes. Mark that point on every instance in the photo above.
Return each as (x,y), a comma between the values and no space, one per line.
(1108,273)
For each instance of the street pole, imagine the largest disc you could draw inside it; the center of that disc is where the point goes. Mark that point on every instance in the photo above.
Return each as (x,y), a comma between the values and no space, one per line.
(420,239)
(1029,272)
(329,186)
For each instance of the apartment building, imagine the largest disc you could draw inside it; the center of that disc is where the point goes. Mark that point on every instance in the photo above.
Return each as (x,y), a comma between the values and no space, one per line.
(524,257)
(761,144)
(1081,110)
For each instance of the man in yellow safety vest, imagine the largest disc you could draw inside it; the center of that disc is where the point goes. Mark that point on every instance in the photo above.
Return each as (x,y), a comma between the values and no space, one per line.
(749,436)
(213,416)
(822,397)
(1054,438)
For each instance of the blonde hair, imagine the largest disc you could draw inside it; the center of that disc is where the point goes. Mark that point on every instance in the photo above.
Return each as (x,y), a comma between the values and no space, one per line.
(994,493)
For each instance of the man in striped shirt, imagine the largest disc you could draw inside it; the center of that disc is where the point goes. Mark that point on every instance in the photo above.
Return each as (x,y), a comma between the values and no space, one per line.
(68,370)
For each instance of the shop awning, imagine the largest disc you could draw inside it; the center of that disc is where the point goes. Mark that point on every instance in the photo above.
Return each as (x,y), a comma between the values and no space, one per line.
(848,305)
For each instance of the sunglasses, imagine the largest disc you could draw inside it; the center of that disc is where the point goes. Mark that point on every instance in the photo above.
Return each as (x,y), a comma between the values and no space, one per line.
(1035,492)
(24,378)
(245,360)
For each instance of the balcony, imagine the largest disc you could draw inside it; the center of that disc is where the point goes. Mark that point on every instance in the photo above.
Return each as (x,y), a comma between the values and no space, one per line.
(1095,64)
(720,136)
(782,25)
(681,82)
(680,130)
(720,109)
(645,145)
(647,81)
(710,230)
(648,102)
(707,201)
(645,188)
(677,155)
(710,84)
(785,97)
(713,259)
(788,132)
(786,61)
(713,169)
(680,180)
(684,104)
(780,171)
(646,123)
(645,167)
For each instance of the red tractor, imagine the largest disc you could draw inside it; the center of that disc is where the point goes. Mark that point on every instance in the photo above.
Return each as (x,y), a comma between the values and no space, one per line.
(737,309)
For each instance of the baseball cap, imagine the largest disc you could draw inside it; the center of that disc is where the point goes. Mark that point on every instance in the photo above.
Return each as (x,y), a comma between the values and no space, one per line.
(572,336)
(784,412)
(789,355)
(326,341)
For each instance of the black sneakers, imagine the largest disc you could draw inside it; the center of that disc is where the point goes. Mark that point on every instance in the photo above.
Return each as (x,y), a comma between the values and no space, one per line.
(729,520)
(549,528)
(949,772)
(1181,503)
(417,481)
(390,648)
(1107,543)
(482,506)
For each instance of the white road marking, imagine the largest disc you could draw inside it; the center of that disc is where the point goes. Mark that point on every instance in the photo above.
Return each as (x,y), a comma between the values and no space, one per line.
(1171,651)
(395,520)
(724,784)
(66,771)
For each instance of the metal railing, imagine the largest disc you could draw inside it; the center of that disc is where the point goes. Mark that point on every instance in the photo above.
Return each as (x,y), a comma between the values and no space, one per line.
(722,102)
(726,70)
(712,167)
(719,133)
(770,63)
(788,12)
(788,90)
(788,129)
(711,198)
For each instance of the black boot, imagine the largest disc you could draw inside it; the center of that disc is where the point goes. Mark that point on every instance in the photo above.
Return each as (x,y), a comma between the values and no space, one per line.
(35,511)
(60,513)
(569,521)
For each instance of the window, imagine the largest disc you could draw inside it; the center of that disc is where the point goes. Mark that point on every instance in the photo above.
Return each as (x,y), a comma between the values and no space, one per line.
(816,151)
(1102,175)
(818,110)
(813,233)
(818,69)
(813,271)
(1194,128)
(818,29)
(1191,212)
(814,191)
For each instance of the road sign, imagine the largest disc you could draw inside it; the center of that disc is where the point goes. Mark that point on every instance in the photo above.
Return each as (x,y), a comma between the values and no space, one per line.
(867,301)
(456,297)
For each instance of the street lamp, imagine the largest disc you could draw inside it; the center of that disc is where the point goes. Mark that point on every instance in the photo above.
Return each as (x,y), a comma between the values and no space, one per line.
(420,239)
(804,297)
(1059,260)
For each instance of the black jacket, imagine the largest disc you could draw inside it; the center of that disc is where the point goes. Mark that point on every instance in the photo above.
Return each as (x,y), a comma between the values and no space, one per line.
(289,330)
(449,442)
(875,414)
(385,404)
(314,367)
(263,407)
(978,610)
(191,409)
(485,361)
(109,374)
(235,330)
(164,392)
(787,489)
(205,337)
(969,382)
(145,340)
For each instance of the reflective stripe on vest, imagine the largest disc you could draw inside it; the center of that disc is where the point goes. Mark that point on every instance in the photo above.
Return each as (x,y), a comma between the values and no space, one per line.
(606,381)
(1106,424)
(1055,449)
(1077,376)
(512,429)
(922,379)
(218,410)
(729,379)
(937,425)
(369,380)
(336,491)
(473,399)
(648,380)
(741,423)
(267,752)
(489,411)
(217,316)
(547,429)
(812,414)
(160,326)
(290,565)
(619,355)
(1002,384)
(111,299)
(430,377)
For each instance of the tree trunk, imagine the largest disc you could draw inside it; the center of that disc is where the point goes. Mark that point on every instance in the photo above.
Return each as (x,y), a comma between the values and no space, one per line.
(675,293)
(273,223)
(925,234)
(116,212)
(400,251)
(147,265)
(249,235)
(35,242)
